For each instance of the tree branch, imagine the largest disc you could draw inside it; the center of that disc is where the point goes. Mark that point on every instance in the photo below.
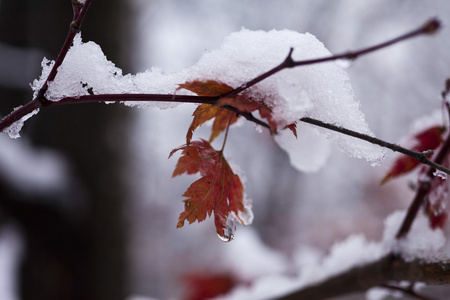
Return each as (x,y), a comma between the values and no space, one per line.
(80,9)
(430,27)
(378,273)
(79,12)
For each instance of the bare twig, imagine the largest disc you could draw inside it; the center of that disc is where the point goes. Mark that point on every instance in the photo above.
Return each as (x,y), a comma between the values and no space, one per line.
(79,12)
(430,27)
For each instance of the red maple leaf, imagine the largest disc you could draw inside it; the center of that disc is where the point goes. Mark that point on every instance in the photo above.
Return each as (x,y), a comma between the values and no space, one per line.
(206,112)
(429,139)
(218,191)
(224,117)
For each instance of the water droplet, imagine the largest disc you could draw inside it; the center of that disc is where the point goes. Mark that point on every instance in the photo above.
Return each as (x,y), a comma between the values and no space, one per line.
(229,229)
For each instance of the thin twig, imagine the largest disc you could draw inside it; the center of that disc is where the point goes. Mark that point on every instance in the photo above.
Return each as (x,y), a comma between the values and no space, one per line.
(430,27)
(419,156)
(79,12)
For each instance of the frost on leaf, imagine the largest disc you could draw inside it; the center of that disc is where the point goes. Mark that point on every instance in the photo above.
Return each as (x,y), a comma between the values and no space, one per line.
(429,139)
(218,191)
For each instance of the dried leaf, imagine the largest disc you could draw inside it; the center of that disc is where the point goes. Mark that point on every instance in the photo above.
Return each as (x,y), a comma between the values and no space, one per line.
(218,191)
(206,112)
(224,117)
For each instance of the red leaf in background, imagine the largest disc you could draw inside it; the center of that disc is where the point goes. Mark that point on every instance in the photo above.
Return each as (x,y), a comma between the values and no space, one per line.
(207,286)
(219,190)
(429,139)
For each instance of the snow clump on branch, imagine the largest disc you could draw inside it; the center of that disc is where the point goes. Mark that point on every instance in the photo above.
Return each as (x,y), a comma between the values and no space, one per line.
(322,91)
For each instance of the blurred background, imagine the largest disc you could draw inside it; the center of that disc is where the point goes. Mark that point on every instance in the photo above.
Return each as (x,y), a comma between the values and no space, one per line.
(88,208)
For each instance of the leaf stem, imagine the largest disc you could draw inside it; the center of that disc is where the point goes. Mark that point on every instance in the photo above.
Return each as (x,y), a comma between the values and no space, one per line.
(226,136)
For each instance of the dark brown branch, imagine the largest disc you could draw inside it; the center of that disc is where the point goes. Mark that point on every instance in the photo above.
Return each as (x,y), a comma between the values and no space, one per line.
(420,156)
(80,10)
(360,279)
(135,97)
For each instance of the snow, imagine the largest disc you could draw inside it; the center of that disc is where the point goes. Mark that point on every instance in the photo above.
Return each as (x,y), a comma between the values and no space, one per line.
(307,153)
(321,91)
(421,243)
(289,208)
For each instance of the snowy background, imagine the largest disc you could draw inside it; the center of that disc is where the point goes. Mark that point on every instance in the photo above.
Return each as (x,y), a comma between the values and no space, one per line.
(298,216)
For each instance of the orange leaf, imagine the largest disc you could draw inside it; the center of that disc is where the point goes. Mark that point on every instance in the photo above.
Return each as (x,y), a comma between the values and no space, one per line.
(218,191)
(429,139)
(205,112)
(224,117)
(210,88)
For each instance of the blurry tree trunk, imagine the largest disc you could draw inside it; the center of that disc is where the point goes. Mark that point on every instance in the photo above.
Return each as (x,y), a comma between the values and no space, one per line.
(78,251)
